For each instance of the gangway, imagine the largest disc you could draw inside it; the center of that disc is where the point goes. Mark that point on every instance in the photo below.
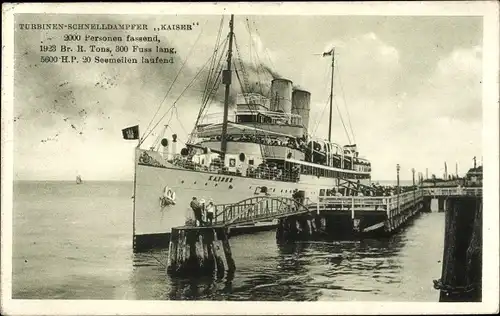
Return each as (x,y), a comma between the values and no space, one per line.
(258,209)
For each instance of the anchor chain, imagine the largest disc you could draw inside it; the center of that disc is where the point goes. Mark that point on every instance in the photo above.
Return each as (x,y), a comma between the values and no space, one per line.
(450,289)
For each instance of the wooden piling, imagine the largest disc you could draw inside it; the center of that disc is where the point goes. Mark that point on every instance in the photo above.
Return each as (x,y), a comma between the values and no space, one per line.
(462,258)
(199,251)
(441,201)
(286,230)
(298,227)
(427,204)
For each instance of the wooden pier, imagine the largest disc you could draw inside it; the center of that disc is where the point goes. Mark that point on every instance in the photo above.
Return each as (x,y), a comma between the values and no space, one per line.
(206,250)
(371,214)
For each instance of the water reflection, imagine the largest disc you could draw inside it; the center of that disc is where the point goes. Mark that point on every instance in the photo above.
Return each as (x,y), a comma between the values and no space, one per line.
(301,271)
(67,264)
(204,288)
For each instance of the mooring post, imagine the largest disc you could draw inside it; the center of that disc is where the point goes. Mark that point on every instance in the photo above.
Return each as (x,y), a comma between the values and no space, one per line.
(283,232)
(440,204)
(427,204)
(462,257)
(293,228)
(223,236)
(199,251)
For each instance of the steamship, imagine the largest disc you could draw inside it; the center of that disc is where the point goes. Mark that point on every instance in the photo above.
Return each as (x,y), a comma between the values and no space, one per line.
(259,145)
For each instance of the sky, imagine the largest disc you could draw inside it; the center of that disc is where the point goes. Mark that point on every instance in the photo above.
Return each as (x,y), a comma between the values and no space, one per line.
(412,87)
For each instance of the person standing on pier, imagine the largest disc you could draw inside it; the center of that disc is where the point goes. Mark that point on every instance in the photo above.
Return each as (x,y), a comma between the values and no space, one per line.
(203,211)
(210,212)
(196,207)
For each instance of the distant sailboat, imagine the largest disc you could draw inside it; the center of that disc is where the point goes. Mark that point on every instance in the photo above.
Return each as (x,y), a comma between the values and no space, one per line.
(79,179)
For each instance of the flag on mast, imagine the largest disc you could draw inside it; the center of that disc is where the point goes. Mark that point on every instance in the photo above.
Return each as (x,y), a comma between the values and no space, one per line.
(131,132)
(329,53)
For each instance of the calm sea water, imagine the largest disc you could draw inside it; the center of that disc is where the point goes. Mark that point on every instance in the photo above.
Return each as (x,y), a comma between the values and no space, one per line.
(74,242)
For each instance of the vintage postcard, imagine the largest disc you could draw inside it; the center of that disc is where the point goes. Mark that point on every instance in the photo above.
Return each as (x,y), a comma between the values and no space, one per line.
(250,158)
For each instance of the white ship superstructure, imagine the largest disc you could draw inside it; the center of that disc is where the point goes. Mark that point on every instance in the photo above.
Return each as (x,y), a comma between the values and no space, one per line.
(259,145)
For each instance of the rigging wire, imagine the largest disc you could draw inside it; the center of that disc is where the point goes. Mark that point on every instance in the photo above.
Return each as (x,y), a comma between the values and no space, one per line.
(345,105)
(204,109)
(261,64)
(180,95)
(338,111)
(322,112)
(180,122)
(256,64)
(328,72)
(219,70)
(341,119)
(243,87)
(265,49)
(215,87)
(212,64)
(178,138)
(171,86)
(208,101)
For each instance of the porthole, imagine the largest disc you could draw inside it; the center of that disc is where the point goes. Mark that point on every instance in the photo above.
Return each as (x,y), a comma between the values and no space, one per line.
(230,186)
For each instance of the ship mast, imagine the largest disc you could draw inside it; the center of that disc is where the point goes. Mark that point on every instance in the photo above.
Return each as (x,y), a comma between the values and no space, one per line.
(331,99)
(226,79)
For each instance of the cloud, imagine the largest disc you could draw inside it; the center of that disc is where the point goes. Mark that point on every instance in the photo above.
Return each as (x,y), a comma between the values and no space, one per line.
(440,121)
(457,85)
(418,127)
(453,89)
(365,71)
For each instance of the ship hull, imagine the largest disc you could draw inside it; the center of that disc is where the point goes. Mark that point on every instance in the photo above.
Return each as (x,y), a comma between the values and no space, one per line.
(153,221)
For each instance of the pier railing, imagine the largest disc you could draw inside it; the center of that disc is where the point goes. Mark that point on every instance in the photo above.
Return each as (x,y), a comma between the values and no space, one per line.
(365,203)
(268,208)
(457,191)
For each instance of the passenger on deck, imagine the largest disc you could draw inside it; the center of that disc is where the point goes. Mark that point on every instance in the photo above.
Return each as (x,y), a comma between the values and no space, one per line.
(279,176)
(267,172)
(273,173)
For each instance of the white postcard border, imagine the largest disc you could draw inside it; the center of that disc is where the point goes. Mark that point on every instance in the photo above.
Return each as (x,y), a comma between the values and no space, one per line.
(489,10)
